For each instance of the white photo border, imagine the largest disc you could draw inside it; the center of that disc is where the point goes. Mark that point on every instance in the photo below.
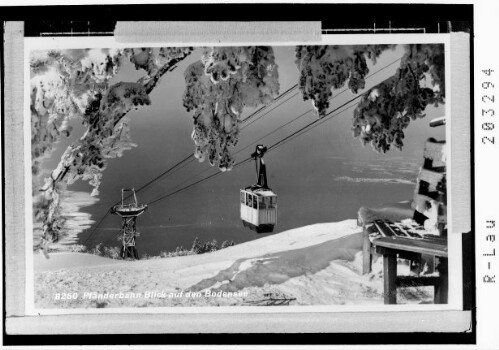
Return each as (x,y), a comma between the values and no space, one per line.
(455,297)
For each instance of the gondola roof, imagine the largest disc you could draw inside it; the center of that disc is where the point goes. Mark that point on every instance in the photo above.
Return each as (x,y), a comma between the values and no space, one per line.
(259,191)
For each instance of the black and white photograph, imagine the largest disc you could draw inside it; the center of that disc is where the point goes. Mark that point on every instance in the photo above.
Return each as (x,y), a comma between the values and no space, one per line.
(230,174)
(221,176)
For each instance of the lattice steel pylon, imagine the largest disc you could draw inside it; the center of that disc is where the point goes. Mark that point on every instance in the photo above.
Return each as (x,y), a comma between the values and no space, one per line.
(129,213)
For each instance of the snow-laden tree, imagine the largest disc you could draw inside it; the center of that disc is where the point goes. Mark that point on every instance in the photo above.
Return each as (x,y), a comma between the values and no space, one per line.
(75,84)
(387,109)
(324,68)
(218,87)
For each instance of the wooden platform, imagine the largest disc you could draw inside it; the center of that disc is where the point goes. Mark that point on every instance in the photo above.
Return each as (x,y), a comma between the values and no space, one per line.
(397,241)
(419,246)
(411,239)
(394,247)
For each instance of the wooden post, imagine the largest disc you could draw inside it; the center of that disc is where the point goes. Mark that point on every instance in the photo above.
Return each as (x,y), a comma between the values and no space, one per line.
(430,262)
(366,252)
(390,278)
(442,288)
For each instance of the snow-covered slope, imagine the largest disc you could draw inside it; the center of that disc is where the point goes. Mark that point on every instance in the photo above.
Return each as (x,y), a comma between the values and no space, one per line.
(311,265)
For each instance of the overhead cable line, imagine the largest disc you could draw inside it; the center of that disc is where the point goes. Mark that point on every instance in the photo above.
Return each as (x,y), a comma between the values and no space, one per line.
(282,141)
(309,126)
(191,156)
(188,159)
(272,147)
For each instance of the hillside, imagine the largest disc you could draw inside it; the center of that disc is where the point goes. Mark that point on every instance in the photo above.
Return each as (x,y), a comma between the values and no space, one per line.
(312,265)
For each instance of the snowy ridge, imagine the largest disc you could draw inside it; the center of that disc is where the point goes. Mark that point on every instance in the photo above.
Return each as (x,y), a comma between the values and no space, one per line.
(311,265)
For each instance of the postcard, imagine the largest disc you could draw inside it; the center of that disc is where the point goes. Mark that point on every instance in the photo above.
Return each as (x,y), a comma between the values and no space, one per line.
(241,177)
(314,184)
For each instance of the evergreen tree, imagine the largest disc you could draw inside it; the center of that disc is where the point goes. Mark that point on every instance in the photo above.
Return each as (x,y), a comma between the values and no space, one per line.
(218,87)
(387,109)
(197,247)
(226,244)
(324,68)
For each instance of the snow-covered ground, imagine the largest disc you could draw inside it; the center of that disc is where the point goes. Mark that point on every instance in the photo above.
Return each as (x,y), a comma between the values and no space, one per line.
(312,265)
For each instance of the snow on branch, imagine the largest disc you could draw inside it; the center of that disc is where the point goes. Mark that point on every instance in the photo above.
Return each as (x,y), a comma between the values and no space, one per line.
(75,84)
(324,68)
(218,87)
(387,109)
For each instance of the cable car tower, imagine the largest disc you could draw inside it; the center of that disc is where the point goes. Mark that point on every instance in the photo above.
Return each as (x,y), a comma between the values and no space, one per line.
(129,213)
(259,202)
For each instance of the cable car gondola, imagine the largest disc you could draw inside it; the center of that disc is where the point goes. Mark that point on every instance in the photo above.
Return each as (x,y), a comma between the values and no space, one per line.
(259,202)
(129,213)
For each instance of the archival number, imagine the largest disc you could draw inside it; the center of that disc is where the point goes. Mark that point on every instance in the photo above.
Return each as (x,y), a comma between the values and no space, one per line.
(488,106)
(65,296)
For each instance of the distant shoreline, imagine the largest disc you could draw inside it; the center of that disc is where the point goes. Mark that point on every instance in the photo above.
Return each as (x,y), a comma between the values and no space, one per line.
(75,221)
(375,180)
